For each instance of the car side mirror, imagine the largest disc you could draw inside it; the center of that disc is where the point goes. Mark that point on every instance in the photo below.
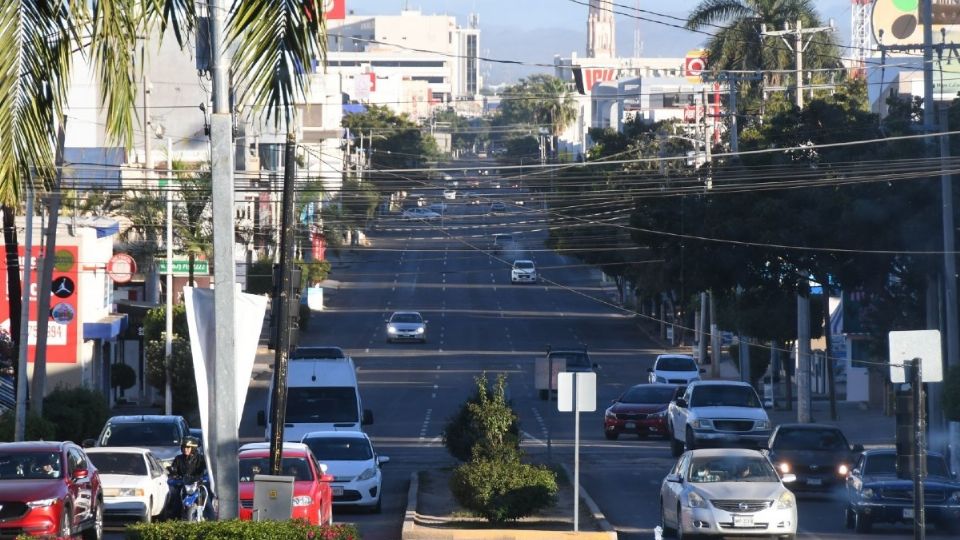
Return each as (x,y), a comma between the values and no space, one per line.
(79,474)
(383,460)
(367,418)
(261,418)
(682,403)
(326,478)
(857,448)
(788,478)
(674,478)
(88,443)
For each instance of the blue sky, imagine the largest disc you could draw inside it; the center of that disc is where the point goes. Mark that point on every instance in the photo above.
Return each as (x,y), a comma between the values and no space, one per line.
(536,30)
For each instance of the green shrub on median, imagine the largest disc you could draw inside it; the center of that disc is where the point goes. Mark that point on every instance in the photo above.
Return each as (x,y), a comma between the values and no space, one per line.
(240,530)
(502,490)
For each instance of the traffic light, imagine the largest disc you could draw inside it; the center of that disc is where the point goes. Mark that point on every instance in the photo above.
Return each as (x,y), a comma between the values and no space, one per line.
(906,433)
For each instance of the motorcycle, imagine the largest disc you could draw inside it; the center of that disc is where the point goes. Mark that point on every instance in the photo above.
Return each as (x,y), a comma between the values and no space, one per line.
(193,495)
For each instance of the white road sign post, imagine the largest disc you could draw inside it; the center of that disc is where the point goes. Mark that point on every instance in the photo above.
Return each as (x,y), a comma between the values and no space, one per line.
(576,392)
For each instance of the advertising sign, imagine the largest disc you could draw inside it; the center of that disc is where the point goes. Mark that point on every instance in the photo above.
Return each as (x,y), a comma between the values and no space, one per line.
(587,78)
(62,329)
(899,21)
(694,65)
(334,9)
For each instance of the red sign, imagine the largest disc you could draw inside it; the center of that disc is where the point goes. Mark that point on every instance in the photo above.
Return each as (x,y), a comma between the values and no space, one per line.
(121,268)
(694,65)
(319,245)
(62,329)
(334,9)
(595,76)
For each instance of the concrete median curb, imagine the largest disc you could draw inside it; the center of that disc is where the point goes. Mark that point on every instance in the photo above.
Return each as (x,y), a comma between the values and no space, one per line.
(412,531)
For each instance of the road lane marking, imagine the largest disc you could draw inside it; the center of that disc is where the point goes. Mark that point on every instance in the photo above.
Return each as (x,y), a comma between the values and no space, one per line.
(426,423)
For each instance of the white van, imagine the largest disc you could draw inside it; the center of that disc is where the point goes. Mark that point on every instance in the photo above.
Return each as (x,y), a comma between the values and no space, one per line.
(322,395)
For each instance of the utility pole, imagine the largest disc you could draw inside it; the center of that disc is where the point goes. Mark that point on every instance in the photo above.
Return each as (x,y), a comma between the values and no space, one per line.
(715,345)
(224,417)
(147,135)
(168,338)
(21,405)
(702,328)
(803,358)
(949,283)
(799,45)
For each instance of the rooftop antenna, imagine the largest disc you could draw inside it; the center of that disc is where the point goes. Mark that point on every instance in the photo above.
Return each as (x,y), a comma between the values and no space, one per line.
(637,44)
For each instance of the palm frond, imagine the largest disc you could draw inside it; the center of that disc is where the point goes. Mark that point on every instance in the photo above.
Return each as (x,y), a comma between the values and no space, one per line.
(276,43)
(714,12)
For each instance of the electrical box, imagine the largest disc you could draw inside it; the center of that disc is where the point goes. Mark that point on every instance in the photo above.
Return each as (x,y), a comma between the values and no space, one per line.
(272,497)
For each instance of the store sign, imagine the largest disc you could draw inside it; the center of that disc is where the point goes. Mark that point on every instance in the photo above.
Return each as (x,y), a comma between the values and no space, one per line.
(181,267)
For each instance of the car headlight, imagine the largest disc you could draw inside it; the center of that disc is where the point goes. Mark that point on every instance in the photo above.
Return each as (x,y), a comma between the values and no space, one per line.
(954,497)
(694,500)
(302,500)
(610,415)
(392,329)
(866,493)
(130,492)
(842,470)
(42,503)
(786,500)
(420,330)
(761,425)
(784,467)
(662,413)
(661,380)
(368,474)
(702,423)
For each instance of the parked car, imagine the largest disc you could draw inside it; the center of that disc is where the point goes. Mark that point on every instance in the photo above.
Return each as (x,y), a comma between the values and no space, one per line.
(134,482)
(162,434)
(717,413)
(355,466)
(817,454)
(674,369)
(421,214)
(312,496)
(732,492)
(642,409)
(406,326)
(523,271)
(875,494)
(49,489)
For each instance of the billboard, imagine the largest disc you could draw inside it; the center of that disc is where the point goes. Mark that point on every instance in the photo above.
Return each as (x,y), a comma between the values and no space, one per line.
(898,22)
(334,10)
(587,78)
(694,64)
(62,329)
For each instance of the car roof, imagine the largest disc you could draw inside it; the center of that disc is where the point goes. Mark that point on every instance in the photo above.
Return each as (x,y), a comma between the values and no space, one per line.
(522,261)
(318,352)
(406,313)
(891,450)
(674,355)
(720,383)
(118,450)
(125,419)
(33,446)
(287,446)
(654,385)
(798,426)
(725,452)
(336,434)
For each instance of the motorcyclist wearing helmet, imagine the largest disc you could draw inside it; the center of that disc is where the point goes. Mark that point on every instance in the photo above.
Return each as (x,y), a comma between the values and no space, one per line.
(189,462)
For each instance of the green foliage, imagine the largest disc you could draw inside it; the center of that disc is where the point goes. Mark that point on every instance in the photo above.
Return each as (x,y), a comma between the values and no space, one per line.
(183,381)
(155,323)
(951,394)
(538,100)
(78,413)
(503,489)
(37,428)
(240,530)
(122,376)
(358,201)
(759,359)
(397,142)
(484,425)
(312,272)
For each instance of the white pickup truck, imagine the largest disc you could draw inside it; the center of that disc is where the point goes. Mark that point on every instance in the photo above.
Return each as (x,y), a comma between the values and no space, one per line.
(722,413)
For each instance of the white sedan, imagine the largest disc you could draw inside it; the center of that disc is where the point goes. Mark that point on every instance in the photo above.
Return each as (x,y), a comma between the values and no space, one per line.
(421,214)
(355,466)
(134,482)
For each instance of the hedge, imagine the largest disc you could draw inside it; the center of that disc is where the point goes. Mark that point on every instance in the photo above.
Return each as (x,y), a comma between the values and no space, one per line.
(503,489)
(240,530)
(79,413)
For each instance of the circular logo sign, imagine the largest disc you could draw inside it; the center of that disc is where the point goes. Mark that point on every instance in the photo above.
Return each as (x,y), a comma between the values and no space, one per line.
(694,65)
(121,268)
(62,287)
(62,313)
(63,260)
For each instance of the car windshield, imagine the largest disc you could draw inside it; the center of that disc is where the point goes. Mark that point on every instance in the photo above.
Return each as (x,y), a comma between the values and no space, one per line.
(648,394)
(886,465)
(676,363)
(340,448)
(140,434)
(297,467)
(119,463)
(809,439)
(523,265)
(406,318)
(724,396)
(313,353)
(706,470)
(29,465)
(321,404)
(574,359)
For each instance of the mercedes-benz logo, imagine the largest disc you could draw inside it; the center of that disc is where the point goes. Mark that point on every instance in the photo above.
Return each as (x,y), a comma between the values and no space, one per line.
(744,506)
(814,467)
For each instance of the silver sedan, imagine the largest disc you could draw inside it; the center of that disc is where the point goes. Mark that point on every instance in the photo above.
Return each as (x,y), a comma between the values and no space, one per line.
(718,492)
(406,326)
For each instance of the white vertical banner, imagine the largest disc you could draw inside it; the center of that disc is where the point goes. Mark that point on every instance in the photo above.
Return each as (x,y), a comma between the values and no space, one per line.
(202,325)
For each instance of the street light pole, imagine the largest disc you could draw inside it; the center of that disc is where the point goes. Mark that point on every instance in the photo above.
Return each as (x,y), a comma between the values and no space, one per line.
(168,338)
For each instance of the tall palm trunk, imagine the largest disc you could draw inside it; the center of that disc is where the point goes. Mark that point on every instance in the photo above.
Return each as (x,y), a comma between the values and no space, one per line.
(14,288)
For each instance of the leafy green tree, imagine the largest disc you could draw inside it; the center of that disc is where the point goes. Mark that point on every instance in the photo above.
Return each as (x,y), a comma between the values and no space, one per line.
(539,101)
(396,142)
(484,425)
(193,214)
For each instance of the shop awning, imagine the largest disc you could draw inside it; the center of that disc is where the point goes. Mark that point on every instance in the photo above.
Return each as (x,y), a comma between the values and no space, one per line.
(106,328)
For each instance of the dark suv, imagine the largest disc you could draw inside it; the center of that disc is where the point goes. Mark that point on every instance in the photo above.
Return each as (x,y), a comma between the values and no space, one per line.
(162,434)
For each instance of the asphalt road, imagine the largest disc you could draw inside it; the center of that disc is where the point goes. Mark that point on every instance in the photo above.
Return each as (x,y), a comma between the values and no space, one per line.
(480,323)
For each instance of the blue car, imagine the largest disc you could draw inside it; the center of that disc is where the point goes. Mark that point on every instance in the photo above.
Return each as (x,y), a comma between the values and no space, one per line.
(876,495)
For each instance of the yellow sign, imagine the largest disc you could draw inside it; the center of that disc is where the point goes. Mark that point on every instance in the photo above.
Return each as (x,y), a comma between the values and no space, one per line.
(273,494)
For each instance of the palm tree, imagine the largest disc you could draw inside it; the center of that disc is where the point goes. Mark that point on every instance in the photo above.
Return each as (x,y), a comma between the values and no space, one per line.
(38,41)
(141,233)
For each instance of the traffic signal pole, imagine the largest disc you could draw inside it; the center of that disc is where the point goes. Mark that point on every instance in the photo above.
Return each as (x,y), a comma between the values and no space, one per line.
(919,450)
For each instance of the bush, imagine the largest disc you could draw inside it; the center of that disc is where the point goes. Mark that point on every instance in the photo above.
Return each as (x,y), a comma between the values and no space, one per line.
(37,428)
(79,413)
(240,530)
(503,489)
(182,379)
(122,376)
(485,423)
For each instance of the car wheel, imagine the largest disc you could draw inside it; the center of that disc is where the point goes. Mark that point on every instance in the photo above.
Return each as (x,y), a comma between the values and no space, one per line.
(667,530)
(690,442)
(377,508)
(861,523)
(679,530)
(676,447)
(848,519)
(148,515)
(95,531)
(65,529)
(611,435)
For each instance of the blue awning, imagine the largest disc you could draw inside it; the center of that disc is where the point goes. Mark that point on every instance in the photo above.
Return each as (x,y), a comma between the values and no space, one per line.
(354,108)
(106,328)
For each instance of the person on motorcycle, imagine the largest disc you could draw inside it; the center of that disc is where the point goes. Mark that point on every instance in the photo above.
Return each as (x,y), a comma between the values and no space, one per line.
(188,463)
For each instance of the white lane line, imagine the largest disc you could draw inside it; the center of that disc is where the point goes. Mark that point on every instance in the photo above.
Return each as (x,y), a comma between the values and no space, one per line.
(426,423)
(533,439)
(540,422)
(368,350)
(438,366)
(436,388)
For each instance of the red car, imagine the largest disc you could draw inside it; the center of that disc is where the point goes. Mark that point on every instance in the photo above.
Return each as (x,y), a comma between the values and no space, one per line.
(312,495)
(642,410)
(49,489)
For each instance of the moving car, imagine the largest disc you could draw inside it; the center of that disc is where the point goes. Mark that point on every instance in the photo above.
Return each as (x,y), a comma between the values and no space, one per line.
(502,242)
(497,207)
(49,489)
(876,495)
(161,434)
(318,353)
(523,271)
(350,458)
(547,367)
(717,413)
(312,496)
(732,492)
(642,409)
(406,326)
(817,454)
(450,194)
(421,214)
(134,482)
(674,369)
